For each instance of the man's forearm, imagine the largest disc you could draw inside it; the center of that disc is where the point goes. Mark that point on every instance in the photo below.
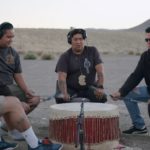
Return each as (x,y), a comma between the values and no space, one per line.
(20,82)
(100,75)
(100,79)
(62,86)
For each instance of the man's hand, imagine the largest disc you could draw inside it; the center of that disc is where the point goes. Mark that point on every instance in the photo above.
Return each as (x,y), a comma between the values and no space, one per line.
(66,97)
(29,94)
(99,93)
(115,96)
(34,101)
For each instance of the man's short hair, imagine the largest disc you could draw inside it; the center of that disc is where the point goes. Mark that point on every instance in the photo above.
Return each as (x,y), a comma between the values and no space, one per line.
(5,26)
(76,31)
(147,30)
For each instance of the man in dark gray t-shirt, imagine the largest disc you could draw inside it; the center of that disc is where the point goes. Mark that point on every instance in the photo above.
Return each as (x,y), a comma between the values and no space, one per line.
(10,71)
(9,64)
(77,69)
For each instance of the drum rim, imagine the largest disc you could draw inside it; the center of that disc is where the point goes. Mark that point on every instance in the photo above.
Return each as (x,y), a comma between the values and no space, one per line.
(101,106)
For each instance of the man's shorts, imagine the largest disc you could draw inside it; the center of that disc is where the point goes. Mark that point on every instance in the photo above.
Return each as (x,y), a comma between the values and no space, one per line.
(16,91)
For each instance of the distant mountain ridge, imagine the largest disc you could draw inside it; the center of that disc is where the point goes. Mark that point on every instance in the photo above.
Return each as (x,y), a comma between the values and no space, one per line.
(141,27)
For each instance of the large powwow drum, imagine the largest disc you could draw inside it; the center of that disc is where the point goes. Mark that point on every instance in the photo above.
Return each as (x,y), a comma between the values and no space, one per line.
(101,125)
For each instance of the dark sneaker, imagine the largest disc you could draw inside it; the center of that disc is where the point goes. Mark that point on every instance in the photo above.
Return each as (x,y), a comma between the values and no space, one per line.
(45,144)
(7,146)
(134,130)
(3,132)
(3,129)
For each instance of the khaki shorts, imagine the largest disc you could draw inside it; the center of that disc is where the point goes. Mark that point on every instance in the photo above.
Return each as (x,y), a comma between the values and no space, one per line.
(16,91)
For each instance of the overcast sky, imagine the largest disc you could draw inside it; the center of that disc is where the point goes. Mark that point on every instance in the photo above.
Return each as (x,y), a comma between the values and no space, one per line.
(110,14)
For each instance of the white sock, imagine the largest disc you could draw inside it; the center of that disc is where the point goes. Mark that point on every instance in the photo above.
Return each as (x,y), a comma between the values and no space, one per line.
(30,138)
(16,135)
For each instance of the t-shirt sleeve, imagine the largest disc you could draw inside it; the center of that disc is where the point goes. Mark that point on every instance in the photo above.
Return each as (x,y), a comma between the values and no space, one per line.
(18,68)
(97,57)
(62,64)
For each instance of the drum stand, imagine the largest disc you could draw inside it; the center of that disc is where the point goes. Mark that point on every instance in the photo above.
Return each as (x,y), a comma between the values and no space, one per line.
(80,128)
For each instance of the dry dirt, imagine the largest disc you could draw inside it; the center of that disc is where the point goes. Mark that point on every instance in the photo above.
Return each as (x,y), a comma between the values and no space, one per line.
(41,77)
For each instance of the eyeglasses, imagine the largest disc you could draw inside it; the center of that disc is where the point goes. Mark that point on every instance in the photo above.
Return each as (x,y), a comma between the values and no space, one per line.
(147,40)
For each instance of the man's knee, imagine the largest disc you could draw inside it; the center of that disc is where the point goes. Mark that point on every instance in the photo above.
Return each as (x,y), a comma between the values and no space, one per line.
(12,102)
(128,97)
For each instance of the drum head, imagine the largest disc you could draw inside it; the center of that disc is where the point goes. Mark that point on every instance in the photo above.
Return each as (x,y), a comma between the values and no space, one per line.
(89,107)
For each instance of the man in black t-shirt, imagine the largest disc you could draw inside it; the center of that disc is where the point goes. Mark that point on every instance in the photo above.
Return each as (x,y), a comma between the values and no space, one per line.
(77,69)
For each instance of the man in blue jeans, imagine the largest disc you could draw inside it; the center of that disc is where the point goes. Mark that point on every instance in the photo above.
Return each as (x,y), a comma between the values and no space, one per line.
(132,94)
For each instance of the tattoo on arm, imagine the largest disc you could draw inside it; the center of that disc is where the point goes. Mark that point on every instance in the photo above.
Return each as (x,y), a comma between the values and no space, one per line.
(99,75)
(62,86)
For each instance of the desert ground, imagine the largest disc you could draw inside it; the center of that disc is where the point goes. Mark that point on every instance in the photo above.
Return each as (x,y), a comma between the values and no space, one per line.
(120,52)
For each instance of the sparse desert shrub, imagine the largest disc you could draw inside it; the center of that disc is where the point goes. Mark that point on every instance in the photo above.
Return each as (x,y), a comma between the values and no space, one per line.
(138,53)
(30,55)
(106,52)
(39,53)
(47,56)
(131,52)
(21,52)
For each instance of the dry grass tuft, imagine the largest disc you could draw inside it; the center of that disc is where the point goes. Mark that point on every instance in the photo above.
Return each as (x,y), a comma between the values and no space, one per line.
(30,55)
(47,56)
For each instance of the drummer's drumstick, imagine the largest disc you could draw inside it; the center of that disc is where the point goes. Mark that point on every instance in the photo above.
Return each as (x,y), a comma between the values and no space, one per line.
(55,95)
